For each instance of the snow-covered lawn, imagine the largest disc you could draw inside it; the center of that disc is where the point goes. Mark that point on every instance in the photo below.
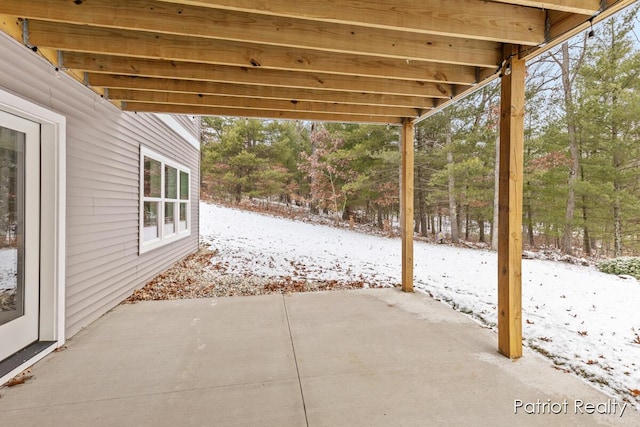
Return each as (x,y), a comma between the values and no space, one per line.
(586,321)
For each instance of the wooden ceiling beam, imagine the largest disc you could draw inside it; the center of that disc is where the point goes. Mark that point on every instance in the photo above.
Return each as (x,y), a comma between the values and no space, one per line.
(210,51)
(262,114)
(153,16)
(257,103)
(195,71)
(320,49)
(479,19)
(566,25)
(111,82)
(582,7)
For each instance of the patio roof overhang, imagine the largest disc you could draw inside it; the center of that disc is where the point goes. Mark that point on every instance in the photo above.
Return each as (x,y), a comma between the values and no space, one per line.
(331,60)
(387,62)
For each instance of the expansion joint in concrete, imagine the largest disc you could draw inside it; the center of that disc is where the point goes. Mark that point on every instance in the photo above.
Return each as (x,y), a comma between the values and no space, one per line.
(295,359)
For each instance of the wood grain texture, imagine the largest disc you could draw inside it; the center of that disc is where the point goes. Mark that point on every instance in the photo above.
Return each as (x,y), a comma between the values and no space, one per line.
(406,204)
(510,207)
(458,18)
(166,18)
(221,73)
(263,114)
(256,91)
(565,25)
(257,103)
(139,44)
(439,50)
(584,7)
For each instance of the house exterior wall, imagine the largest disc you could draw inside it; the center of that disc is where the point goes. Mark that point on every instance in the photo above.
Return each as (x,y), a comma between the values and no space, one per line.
(190,123)
(103,264)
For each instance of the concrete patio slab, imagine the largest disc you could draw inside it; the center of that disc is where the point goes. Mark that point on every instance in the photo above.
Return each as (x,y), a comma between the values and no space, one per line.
(361,358)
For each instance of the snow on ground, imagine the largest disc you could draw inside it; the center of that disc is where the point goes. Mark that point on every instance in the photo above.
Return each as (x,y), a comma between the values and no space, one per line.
(586,321)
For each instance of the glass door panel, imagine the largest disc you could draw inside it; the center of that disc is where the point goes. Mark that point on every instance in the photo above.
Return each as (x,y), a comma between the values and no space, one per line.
(19,233)
(12,144)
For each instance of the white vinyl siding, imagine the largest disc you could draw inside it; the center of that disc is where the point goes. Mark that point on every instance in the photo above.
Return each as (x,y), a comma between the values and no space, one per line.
(164,198)
(190,123)
(188,127)
(103,185)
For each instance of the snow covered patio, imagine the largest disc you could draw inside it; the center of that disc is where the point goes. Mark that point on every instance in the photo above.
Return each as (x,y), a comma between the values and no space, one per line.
(369,357)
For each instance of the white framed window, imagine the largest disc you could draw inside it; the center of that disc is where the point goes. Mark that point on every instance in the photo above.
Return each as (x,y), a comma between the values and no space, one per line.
(164,200)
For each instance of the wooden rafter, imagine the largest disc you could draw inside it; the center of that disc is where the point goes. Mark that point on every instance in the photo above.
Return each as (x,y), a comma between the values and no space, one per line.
(478,19)
(252,76)
(138,44)
(258,104)
(437,50)
(565,25)
(111,82)
(583,7)
(165,18)
(264,114)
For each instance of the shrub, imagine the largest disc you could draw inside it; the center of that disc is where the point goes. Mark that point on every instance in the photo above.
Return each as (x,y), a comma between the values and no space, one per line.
(623,265)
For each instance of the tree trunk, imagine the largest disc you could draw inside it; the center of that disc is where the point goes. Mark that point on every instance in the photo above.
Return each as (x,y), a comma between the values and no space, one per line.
(419,205)
(453,216)
(346,213)
(336,208)
(496,177)
(586,242)
(238,193)
(481,237)
(459,218)
(567,234)
(618,154)
(617,217)
(532,242)
(423,225)
(421,220)
(617,187)
(466,224)
(491,234)
(546,234)
(585,229)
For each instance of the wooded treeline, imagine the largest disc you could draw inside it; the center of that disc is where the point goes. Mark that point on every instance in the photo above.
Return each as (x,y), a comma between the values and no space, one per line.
(582,156)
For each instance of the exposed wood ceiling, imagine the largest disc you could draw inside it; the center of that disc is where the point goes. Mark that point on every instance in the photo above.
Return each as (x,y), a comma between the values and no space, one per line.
(333,60)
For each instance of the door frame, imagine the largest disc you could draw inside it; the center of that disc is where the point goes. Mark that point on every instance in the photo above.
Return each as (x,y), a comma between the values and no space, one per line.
(22,329)
(52,224)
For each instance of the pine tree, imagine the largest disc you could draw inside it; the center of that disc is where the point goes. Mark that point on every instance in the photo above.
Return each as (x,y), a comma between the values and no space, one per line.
(610,108)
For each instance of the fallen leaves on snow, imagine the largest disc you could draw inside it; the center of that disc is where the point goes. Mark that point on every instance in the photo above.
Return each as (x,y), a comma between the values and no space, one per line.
(200,275)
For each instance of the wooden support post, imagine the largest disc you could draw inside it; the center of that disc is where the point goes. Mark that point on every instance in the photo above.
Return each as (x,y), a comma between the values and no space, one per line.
(406,205)
(510,206)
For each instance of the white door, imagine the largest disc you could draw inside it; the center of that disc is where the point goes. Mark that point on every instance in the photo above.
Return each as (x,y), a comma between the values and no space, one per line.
(19,233)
